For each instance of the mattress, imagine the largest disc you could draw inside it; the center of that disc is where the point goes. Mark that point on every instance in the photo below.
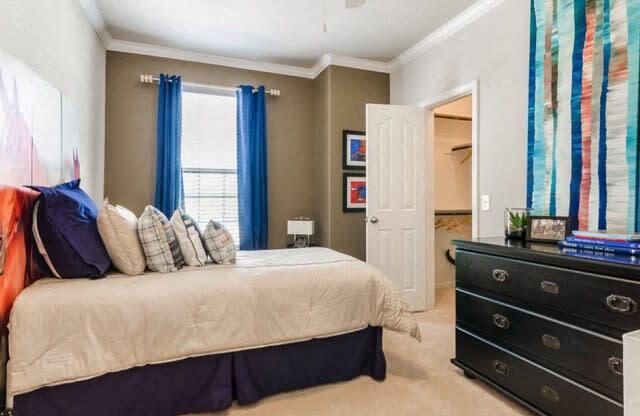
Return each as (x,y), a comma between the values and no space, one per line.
(64,331)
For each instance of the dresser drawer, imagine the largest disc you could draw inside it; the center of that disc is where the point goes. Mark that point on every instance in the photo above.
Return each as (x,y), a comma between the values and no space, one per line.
(592,356)
(547,391)
(609,301)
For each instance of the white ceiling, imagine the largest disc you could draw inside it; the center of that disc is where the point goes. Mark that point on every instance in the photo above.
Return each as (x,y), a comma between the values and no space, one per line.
(286,32)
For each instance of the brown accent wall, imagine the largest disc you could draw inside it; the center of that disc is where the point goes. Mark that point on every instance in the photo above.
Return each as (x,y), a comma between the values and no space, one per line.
(321,162)
(304,136)
(346,92)
(130,143)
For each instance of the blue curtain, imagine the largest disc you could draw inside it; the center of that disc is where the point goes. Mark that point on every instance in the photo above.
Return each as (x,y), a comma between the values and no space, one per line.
(252,168)
(169,186)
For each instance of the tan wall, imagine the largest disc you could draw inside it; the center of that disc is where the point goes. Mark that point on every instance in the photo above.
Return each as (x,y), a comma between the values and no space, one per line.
(347,93)
(351,90)
(131,133)
(452,169)
(321,161)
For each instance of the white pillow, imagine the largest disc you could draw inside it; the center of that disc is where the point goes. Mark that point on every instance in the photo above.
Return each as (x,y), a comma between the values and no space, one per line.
(159,243)
(189,239)
(118,228)
(219,243)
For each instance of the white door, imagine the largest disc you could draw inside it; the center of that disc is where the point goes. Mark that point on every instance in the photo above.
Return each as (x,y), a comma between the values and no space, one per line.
(397,217)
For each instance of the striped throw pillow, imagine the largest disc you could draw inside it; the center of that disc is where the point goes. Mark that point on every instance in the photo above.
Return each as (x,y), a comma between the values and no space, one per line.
(189,238)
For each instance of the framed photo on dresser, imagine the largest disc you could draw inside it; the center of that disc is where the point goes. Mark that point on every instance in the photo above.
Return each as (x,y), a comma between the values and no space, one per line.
(354,150)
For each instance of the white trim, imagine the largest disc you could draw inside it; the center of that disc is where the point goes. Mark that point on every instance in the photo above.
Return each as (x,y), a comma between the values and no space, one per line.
(469,15)
(349,62)
(97,21)
(184,55)
(445,31)
(430,104)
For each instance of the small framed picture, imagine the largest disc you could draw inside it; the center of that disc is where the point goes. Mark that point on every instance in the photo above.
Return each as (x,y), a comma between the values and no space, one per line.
(546,229)
(354,150)
(354,192)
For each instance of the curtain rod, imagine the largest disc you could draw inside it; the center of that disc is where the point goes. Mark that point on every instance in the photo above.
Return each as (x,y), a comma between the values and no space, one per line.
(150,79)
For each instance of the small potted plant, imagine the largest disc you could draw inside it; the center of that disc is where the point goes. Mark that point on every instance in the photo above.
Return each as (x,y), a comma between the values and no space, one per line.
(515,223)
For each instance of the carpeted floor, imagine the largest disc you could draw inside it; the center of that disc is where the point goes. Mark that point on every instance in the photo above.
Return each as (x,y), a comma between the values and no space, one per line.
(420,381)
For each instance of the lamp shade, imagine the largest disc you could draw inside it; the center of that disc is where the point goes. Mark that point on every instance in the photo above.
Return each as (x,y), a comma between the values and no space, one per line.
(300,227)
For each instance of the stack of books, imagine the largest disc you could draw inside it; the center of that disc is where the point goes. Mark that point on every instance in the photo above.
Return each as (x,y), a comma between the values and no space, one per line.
(598,242)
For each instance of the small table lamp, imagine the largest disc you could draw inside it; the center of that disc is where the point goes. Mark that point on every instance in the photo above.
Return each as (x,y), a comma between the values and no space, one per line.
(301,228)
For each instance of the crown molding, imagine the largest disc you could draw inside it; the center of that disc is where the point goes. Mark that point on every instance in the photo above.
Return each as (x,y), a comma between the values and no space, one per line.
(445,31)
(95,17)
(349,62)
(185,55)
(475,11)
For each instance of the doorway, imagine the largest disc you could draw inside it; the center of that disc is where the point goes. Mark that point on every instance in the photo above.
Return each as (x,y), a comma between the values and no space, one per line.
(452,200)
(401,174)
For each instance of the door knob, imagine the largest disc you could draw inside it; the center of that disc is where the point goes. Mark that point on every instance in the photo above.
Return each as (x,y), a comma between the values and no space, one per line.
(373,220)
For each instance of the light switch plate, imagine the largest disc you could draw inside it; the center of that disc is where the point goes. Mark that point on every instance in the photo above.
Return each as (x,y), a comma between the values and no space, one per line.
(485,203)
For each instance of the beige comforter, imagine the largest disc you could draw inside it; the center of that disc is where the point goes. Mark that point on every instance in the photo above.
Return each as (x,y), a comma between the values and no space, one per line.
(68,330)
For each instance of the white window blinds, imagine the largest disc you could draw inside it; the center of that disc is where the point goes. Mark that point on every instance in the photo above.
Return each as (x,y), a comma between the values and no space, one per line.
(209,159)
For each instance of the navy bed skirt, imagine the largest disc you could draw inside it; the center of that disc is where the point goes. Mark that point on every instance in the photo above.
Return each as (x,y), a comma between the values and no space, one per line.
(211,383)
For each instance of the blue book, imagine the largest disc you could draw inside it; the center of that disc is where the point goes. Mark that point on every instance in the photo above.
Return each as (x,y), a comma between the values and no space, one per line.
(599,248)
(610,243)
(602,235)
(616,258)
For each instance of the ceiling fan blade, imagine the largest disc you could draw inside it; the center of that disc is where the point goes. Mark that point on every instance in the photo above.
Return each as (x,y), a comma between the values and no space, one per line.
(352,4)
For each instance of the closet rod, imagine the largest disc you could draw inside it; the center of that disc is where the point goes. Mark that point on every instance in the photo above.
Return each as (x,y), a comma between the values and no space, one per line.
(150,79)
(452,117)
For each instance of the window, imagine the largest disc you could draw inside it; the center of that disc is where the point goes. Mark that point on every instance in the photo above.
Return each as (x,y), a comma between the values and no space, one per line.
(209,159)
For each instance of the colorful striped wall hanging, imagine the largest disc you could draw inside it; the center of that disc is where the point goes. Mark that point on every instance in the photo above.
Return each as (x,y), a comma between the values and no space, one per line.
(583,147)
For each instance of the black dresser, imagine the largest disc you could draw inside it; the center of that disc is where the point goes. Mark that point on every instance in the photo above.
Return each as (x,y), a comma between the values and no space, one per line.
(543,327)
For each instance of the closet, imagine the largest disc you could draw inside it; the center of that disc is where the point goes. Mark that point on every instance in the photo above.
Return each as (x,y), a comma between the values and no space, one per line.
(452,182)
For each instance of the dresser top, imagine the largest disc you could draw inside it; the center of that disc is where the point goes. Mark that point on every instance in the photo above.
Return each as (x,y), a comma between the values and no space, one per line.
(550,254)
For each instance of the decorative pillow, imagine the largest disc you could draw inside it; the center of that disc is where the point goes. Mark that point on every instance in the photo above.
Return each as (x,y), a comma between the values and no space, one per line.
(66,233)
(219,243)
(118,228)
(189,238)
(159,242)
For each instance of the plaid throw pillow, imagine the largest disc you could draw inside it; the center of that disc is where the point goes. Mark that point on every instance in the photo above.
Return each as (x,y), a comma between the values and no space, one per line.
(159,243)
(219,243)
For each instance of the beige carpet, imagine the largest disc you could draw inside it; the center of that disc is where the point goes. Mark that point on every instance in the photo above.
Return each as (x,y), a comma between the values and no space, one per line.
(420,381)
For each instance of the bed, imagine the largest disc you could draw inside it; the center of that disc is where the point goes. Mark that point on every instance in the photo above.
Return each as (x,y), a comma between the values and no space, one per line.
(197,339)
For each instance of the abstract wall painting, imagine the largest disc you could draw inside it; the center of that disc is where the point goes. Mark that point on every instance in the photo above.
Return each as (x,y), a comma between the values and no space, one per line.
(354,192)
(583,147)
(39,141)
(354,150)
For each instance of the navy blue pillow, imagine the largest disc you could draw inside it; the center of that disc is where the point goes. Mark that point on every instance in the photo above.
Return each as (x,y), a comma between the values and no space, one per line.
(66,233)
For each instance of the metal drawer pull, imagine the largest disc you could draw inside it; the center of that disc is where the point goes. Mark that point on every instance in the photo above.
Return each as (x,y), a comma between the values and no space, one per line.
(550,341)
(501,321)
(622,304)
(550,394)
(550,287)
(501,368)
(616,366)
(500,275)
